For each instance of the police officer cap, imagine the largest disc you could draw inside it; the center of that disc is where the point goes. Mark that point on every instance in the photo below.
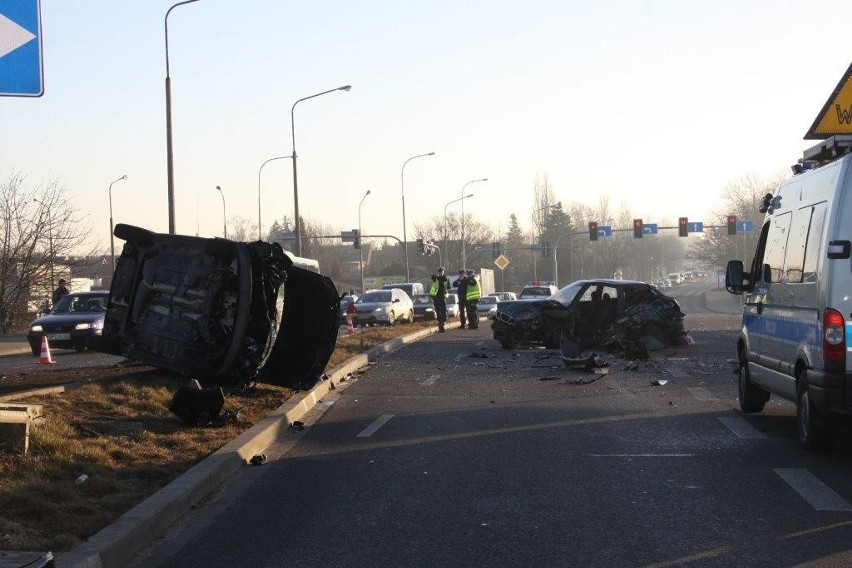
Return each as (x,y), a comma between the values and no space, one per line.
(440,269)
(469,271)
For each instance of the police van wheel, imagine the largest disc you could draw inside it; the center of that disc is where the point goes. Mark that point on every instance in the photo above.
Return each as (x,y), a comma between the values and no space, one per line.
(813,434)
(752,398)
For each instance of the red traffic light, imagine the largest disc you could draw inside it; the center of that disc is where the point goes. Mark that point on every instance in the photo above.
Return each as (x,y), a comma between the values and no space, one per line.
(683,227)
(732,224)
(593,231)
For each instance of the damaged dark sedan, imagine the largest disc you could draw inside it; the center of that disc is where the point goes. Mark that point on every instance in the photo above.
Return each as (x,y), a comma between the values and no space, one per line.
(605,313)
(223,312)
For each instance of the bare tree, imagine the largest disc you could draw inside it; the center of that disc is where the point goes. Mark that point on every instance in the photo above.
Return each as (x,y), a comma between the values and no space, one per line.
(543,200)
(38,226)
(243,229)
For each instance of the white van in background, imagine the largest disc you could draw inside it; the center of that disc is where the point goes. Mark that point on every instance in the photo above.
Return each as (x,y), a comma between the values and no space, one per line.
(797,296)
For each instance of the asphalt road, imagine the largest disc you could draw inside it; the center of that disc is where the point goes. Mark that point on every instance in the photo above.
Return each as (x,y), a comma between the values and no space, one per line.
(433,457)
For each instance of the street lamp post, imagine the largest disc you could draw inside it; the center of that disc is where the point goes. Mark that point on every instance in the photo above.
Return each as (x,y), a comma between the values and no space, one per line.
(259,170)
(49,239)
(169,159)
(224,215)
(111,228)
(361,247)
(404,233)
(296,221)
(446,231)
(464,259)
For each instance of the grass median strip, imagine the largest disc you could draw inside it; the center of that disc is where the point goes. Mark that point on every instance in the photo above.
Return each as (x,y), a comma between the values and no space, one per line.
(122,438)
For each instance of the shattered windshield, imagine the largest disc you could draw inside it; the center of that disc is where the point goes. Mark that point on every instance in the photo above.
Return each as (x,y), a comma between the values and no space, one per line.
(379,296)
(567,294)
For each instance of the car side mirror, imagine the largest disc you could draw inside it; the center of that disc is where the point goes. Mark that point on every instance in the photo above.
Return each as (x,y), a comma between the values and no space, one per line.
(395,300)
(734,277)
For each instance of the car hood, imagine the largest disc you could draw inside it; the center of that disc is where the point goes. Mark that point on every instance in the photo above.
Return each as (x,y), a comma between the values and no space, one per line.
(60,319)
(526,312)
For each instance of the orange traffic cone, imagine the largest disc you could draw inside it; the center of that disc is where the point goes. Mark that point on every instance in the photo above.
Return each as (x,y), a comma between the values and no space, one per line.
(350,329)
(45,353)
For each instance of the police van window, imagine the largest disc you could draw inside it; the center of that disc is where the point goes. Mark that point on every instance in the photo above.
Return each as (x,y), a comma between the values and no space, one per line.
(813,243)
(757,260)
(796,245)
(776,246)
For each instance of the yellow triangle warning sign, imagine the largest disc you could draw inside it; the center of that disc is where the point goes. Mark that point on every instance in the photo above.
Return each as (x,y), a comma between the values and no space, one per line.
(836,116)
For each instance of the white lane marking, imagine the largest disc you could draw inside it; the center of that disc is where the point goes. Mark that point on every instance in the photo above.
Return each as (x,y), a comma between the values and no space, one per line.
(640,455)
(677,372)
(460,357)
(701,393)
(377,423)
(815,492)
(741,428)
(431,380)
(479,343)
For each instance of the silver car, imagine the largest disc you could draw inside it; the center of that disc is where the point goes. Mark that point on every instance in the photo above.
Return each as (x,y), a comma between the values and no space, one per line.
(452,305)
(385,307)
(487,306)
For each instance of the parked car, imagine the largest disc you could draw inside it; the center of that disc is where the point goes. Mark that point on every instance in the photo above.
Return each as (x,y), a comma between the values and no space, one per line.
(224,312)
(410,288)
(452,305)
(385,307)
(537,291)
(487,306)
(71,323)
(504,296)
(585,312)
(424,307)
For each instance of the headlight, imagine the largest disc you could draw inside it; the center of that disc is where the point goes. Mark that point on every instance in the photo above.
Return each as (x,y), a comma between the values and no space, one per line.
(83,326)
(380,310)
(36,328)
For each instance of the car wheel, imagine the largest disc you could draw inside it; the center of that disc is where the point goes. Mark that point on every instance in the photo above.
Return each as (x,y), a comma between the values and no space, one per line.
(410,317)
(752,397)
(131,233)
(36,349)
(391,319)
(552,338)
(813,433)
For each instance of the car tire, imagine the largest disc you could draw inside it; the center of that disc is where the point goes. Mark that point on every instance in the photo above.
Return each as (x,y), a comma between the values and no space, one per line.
(410,317)
(552,338)
(391,319)
(36,349)
(752,398)
(134,234)
(812,431)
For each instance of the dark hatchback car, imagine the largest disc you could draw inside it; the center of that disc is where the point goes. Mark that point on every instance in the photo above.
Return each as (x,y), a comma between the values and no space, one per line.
(590,312)
(424,307)
(224,312)
(73,322)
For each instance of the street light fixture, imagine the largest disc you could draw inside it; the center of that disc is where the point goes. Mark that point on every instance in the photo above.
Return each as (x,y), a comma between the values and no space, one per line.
(360,248)
(49,239)
(169,159)
(297,222)
(463,257)
(111,228)
(404,234)
(260,169)
(224,215)
(446,235)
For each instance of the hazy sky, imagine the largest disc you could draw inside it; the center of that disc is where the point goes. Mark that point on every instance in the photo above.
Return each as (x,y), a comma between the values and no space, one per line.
(657,104)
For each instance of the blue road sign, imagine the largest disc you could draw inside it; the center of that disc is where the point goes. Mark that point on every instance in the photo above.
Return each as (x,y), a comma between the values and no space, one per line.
(649,229)
(695,227)
(744,226)
(605,231)
(20,48)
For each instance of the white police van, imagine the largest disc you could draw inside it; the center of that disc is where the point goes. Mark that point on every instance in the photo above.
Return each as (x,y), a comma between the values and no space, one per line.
(797,296)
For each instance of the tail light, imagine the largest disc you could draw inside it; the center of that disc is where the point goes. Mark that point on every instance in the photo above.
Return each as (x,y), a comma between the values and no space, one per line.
(834,337)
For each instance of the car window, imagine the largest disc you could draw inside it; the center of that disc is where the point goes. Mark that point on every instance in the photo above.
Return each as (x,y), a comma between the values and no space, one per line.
(421,300)
(376,297)
(76,303)
(567,294)
(487,300)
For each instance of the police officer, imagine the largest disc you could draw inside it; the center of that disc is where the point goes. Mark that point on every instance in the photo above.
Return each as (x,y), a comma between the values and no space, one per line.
(473,293)
(439,291)
(461,285)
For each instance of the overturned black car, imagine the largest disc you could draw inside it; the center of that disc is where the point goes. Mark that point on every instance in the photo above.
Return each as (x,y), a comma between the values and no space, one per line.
(223,312)
(605,313)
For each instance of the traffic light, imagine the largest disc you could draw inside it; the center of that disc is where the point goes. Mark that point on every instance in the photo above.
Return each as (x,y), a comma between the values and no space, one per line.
(637,228)
(544,246)
(593,231)
(356,240)
(421,246)
(683,227)
(495,249)
(732,224)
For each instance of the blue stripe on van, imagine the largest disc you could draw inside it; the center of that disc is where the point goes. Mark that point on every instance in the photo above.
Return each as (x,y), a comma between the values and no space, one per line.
(788,330)
(849,336)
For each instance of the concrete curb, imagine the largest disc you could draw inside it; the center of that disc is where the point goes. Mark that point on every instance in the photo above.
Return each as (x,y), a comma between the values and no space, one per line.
(116,544)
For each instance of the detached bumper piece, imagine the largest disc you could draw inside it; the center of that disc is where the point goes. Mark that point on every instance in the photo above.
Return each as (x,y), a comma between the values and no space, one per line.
(218,310)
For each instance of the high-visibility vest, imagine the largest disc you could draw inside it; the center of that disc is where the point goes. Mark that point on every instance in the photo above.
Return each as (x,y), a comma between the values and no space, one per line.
(473,291)
(433,291)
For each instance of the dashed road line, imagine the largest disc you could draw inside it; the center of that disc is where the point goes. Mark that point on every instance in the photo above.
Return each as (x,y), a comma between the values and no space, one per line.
(818,495)
(377,423)
(741,428)
(431,380)
(460,357)
(701,393)
(479,343)
(677,372)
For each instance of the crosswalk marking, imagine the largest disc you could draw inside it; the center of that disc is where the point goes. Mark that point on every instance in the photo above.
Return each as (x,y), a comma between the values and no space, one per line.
(377,423)
(818,495)
(741,428)
(701,393)
(431,380)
